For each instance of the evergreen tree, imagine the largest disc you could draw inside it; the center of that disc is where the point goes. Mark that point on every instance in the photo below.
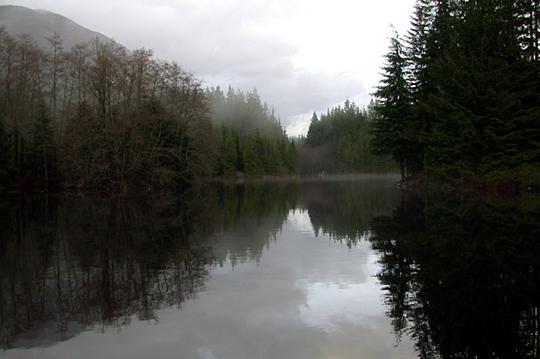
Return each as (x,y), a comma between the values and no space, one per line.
(471,104)
(229,155)
(394,108)
(245,113)
(418,44)
(291,158)
(314,136)
(487,96)
(340,142)
(253,165)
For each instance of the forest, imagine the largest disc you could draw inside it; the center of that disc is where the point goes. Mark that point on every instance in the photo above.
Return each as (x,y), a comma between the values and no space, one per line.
(460,95)
(100,117)
(253,141)
(459,101)
(340,141)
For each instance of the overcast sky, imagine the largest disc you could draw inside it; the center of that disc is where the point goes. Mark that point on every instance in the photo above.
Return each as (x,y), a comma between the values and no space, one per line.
(301,55)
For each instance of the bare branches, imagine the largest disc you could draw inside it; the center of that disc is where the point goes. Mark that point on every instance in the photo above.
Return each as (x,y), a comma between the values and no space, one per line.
(118,117)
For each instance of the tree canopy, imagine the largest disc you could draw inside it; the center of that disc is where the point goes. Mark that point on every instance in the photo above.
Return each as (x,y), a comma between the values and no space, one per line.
(340,141)
(460,97)
(99,117)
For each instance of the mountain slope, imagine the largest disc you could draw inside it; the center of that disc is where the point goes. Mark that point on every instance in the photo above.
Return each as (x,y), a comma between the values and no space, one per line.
(41,24)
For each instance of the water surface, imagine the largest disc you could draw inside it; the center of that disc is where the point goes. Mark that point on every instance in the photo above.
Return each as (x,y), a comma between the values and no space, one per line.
(315,269)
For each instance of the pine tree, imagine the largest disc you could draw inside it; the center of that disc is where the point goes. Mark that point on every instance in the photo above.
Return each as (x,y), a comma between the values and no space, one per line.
(314,136)
(487,96)
(418,44)
(229,156)
(253,165)
(292,158)
(394,107)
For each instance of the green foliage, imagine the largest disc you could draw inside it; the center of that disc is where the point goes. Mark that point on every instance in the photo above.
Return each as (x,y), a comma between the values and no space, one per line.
(255,155)
(252,139)
(393,108)
(340,142)
(243,113)
(463,99)
(100,118)
(229,153)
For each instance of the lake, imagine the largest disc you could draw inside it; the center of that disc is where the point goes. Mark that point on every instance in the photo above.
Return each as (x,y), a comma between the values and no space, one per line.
(327,268)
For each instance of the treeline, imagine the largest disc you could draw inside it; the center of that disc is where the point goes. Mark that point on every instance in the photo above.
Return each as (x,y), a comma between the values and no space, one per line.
(255,155)
(340,142)
(244,113)
(253,141)
(460,96)
(98,117)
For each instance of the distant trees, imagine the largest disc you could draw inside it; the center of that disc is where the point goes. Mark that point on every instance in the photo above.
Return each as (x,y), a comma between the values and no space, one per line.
(472,72)
(340,141)
(252,138)
(242,112)
(255,155)
(99,117)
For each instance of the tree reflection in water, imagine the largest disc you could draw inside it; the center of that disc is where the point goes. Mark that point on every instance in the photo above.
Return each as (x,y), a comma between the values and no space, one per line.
(344,209)
(70,263)
(463,278)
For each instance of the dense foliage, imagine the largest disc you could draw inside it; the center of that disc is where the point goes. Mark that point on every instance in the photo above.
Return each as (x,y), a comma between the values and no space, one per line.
(340,142)
(252,138)
(460,98)
(99,117)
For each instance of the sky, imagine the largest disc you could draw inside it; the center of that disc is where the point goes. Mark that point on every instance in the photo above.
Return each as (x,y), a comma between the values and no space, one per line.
(302,56)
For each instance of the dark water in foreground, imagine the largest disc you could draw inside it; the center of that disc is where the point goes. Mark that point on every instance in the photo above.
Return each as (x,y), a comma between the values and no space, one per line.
(333,269)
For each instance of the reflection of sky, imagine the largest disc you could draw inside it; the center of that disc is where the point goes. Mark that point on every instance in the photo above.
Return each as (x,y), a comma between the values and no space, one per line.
(299,220)
(307,297)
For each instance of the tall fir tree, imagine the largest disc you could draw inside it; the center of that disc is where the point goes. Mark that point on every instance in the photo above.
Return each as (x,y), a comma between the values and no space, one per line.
(394,109)
(474,82)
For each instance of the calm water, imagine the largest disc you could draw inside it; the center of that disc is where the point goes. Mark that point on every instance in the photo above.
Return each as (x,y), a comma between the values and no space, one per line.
(326,269)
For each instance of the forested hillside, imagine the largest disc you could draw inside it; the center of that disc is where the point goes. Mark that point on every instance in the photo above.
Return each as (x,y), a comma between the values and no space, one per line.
(460,96)
(339,141)
(98,117)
